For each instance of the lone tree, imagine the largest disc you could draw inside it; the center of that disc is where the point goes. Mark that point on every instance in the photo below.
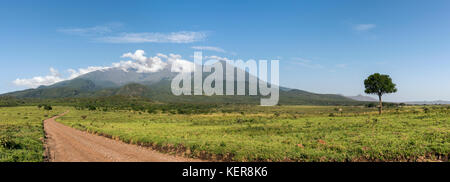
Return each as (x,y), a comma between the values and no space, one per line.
(379,84)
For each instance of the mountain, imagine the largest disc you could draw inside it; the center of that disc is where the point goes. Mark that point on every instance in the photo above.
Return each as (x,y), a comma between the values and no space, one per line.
(362,98)
(156,86)
(436,102)
(118,77)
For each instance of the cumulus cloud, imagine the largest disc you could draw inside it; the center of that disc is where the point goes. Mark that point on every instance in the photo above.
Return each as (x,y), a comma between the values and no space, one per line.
(138,61)
(208,48)
(40,80)
(151,64)
(364,27)
(146,37)
(145,64)
(138,55)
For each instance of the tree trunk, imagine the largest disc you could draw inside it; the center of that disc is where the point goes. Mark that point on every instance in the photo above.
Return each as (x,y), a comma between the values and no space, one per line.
(380,109)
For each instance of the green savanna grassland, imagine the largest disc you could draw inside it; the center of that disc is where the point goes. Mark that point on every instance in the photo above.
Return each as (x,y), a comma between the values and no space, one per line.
(22,133)
(248,132)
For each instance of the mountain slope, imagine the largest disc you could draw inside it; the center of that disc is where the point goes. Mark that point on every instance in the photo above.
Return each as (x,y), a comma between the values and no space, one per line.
(118,77)
(71,88)
(156,86)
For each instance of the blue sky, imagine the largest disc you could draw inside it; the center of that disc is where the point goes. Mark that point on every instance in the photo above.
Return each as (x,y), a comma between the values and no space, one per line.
(323,46)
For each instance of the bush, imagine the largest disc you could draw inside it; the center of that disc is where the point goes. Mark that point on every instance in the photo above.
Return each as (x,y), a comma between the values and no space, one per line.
(151,111)
(8,142)
(276,114)
(48,107)
(92,108)
(371,105)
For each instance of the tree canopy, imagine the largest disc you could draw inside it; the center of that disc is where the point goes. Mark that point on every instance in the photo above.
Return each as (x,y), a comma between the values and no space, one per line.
(379,84)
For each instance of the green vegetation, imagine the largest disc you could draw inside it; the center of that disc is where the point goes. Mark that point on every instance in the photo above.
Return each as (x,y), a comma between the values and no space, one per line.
(22,134)
(379,84)
(161,92)
(243,132)
(279,133)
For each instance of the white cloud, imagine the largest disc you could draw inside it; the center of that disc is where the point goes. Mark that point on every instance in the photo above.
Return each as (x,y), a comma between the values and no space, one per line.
(145,64)
(162,55)
(173,37)
(180,65)
(142,63)
(91,31)
(86,31)
(138,55)
(364,27)
(208,48)
(108,33)
(40,80)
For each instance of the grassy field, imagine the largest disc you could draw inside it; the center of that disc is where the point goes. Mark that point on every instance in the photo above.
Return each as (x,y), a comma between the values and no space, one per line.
(281,133)
(249,133)
(22,134)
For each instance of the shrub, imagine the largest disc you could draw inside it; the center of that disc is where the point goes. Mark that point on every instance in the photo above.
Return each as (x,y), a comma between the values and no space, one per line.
(371,105)
(151,111)
(92,108)
(48,107)
(8,142)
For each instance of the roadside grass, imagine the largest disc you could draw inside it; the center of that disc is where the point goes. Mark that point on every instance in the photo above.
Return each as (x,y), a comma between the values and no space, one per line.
(282,133)
(22,133)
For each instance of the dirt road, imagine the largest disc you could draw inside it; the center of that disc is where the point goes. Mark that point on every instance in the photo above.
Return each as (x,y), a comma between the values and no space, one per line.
(64,143)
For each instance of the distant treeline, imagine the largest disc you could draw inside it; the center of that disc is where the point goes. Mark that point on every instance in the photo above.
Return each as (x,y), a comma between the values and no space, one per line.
(114,103)
(118,102)
(386,104)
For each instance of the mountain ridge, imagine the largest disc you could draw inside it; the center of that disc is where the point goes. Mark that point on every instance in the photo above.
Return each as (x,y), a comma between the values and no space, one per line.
(156,86)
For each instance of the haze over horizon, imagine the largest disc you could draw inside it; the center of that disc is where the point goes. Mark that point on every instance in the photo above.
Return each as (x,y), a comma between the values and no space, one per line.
(323,46)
